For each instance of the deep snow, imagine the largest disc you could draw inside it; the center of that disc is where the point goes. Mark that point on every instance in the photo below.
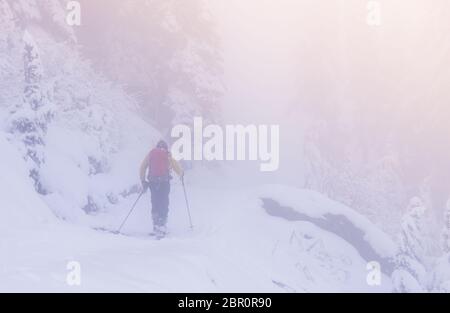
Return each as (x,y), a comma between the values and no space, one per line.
(235,246)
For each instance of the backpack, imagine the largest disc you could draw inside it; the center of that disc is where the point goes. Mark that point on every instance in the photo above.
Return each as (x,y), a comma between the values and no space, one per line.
(159,163)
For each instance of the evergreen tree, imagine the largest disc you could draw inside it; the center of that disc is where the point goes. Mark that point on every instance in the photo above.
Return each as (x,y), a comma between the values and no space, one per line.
(29,120)
(441,270)
(410,272)
(446,239)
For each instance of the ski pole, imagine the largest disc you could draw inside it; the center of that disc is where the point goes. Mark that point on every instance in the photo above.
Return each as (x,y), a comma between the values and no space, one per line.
(187,203)
(132,209)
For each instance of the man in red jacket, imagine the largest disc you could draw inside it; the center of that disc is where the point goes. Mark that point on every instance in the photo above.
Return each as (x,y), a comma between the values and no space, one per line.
(155,174)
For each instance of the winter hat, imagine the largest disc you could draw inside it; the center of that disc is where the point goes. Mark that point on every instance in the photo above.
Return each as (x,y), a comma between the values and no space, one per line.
(162,145)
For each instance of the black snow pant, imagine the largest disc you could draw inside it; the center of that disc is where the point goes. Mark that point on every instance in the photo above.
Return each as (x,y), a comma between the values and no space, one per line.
(160,190)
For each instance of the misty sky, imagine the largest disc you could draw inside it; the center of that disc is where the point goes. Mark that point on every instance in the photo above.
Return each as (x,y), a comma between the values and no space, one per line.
(259,58)
(283,56)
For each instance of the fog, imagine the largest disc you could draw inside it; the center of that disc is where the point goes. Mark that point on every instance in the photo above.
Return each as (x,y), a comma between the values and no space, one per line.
(357,184)
(364,94)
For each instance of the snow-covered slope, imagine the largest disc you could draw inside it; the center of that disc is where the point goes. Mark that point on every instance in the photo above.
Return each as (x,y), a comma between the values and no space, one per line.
(78,173)
(309,206)
(235,246)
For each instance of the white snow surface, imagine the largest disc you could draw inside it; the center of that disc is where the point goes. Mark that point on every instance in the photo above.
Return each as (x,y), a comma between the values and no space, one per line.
(235,245)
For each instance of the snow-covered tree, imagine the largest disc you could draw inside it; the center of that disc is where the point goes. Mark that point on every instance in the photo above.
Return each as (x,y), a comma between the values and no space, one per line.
(374,187)
(10,60)
(446,232)
(26,10)
(6,23)
(55,12)
(410,274)
(174,70)
(29,120)
(441,270)
(317,168)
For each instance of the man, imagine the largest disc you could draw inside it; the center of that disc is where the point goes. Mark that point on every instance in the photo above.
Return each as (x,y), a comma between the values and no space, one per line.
(159,164)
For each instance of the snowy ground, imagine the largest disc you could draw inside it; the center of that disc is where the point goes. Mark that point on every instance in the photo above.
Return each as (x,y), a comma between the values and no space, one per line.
(235,246)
